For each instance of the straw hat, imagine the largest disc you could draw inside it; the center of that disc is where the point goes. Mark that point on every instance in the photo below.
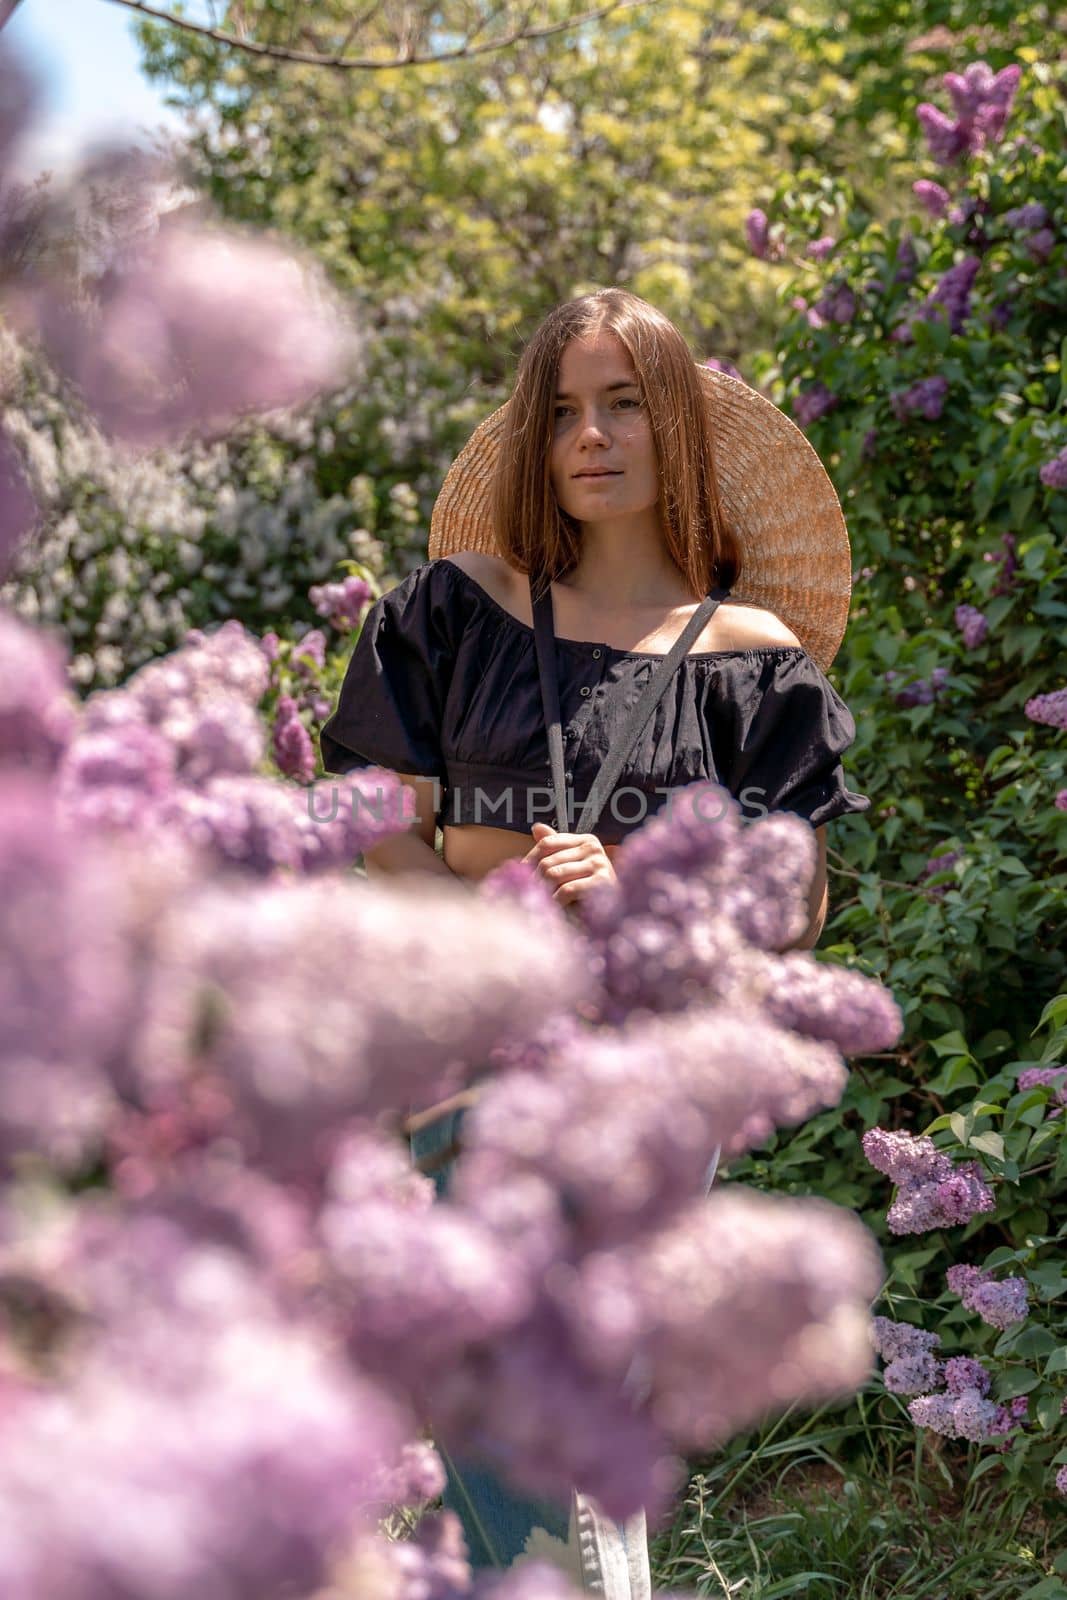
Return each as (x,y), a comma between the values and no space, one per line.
(776,496)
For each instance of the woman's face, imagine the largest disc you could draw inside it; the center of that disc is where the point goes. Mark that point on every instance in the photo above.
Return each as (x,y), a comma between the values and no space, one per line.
(601,423)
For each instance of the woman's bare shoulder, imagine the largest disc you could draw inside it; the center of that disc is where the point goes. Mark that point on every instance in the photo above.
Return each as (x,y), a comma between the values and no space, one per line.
(492,572)
(751,626)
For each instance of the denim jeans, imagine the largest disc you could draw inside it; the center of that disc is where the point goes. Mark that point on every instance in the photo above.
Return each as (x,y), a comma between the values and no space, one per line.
(503,1528)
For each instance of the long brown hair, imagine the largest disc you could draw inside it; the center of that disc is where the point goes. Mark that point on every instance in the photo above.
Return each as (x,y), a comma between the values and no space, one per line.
(533,533)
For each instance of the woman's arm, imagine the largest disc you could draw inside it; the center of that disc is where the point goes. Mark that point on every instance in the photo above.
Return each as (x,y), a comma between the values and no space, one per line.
(413,850)
(817,898)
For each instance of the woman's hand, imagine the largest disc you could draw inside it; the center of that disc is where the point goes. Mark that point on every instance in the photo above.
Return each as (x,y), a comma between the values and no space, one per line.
(570,863)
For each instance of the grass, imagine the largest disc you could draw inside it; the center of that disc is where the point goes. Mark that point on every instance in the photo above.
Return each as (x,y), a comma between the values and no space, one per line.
(835,1510)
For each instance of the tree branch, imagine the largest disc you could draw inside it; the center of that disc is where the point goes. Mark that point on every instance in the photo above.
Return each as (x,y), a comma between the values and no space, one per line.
(312,59)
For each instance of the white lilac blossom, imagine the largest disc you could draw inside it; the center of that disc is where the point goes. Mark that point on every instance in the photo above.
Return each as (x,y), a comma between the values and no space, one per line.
(972,624)
(1050,709)
(932,1192)
(18,510)
(1000,1302)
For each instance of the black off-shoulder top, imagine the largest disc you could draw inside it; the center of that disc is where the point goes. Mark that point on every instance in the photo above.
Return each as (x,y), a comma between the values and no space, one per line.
(443,684)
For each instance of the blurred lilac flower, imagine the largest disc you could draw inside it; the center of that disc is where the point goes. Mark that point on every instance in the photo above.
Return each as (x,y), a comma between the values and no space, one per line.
(1040,245)
(924,398)
(812,403)
(728,367)
(837,303)
(1050,709)
(38,714)
(938,864)
(820,249)
(270,644)
(868,449)
(972,624)
(291,742)
(982,101)
(309,653)
(178,339)
(759,236)
(342,604)
(946,139)
(1031,215)
(1060,801)
(949,300)
(1061,1481)
(907,260)
(1005,558)
(932,196)
(1054,473)
(999,1302)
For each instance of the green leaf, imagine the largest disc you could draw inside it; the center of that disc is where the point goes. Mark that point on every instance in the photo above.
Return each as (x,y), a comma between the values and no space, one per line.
(1057,1361)
(990,1144)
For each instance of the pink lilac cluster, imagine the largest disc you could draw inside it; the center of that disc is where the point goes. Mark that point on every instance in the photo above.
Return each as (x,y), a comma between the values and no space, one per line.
(982,100)
(973,625)
(38,714)
(765,242)
(821,249)
(922,692)
(932,196)
(291,742)
(342,604)
(1053,474)
(908,1352)
(932,1192)
(925,398)
(1000,1302)
(1050,709)
(812,403)
(1054,1077)
(1060,802)
(948,301)
(1007,561)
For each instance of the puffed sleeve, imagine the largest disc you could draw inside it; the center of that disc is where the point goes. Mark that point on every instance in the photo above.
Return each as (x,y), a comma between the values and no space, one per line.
(790,730)
(389,711)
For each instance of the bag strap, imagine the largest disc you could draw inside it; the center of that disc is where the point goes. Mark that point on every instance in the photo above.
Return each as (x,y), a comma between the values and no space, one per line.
(636,718)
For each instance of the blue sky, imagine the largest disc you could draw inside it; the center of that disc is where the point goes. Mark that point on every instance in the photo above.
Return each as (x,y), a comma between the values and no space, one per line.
(87,61)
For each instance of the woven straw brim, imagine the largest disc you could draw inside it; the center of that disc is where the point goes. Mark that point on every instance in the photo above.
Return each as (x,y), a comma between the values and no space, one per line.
(776,496)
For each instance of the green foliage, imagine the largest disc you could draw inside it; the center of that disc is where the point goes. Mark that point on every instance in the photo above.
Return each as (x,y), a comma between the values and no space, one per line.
(973,952)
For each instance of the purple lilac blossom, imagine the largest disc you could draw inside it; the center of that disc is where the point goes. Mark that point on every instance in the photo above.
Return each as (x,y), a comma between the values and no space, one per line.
(1031,215)
(1061,1482)
(1006,559)
(907,260)
(820,249)
(812,403)
(949,300)
(964,1416)
(932,1192)
(1060,801)
(1000,1302)
(932,196)
(1053,474)
(895,1340)
(1040,245)
(179,340)
(912,1374)
(925,398)
(837,304)
(728,367)
(756,227)
(869,448)
(962,1373)
(982,101)
(1049,709)
(342,604)
(309,653)
(291,742)
(947,140)
(972,624)
(941,863)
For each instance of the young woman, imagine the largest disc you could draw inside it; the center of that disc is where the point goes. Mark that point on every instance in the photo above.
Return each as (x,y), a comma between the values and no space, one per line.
(628,516)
